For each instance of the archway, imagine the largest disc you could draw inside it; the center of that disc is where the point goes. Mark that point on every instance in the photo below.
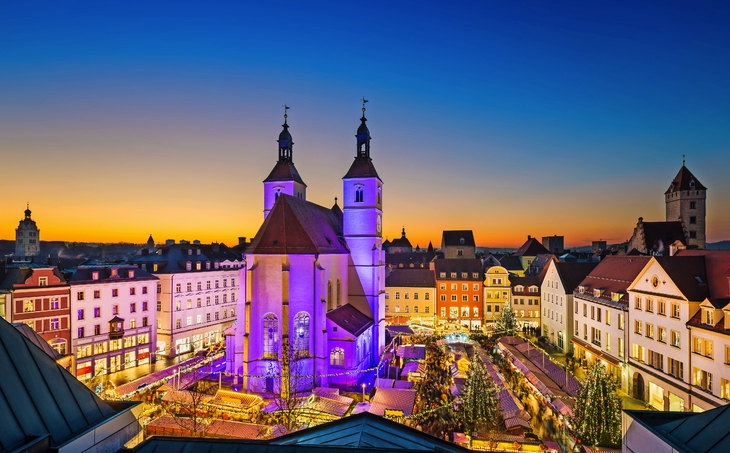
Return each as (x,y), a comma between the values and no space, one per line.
(638,387)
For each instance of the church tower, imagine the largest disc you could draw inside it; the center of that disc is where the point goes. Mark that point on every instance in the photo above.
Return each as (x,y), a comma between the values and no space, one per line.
(685,200)
(27,237)
(362,227)
(284,178)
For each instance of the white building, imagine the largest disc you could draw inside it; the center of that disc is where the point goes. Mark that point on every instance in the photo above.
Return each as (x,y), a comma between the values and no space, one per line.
(196,294)
(113,319)
(600,311)
(559,282)
(410,297)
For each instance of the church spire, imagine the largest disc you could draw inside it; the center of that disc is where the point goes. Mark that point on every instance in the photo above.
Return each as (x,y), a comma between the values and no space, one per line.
(363,135)
(285,140)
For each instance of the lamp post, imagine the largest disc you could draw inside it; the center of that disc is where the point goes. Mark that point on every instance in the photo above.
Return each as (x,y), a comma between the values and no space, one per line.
(363,392)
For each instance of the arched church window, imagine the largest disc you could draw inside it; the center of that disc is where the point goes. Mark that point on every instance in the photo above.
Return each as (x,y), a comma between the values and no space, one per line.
(271,336)
(339,293)
(330,301)
(337,357)
(358,194)
(301,334)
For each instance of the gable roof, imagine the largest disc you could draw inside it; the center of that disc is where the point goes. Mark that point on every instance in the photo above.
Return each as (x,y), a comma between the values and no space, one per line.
(531,247)
(683,181)
(454,237)
(351,319)
(38,397)
(685,272)
(296,226)
(613,274)
(696,432)
(362,167)
(511,263)
(717,269)
(420,278)
(459,265)
(284,171)
(571,274)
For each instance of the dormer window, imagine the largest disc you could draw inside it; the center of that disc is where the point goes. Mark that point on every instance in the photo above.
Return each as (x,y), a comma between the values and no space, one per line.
(475,275)
(582,289)
(131,273)
(464,275)
(453,275)
(709,318)
(519,288)
(95,275)
(190,252)
(207,265)
(188,266)
(533,289)
(442,274)
(217,264)
(197,251)
(616,296)
(197,266)
(462,241)
(154,267)
(597,292)
(115,272)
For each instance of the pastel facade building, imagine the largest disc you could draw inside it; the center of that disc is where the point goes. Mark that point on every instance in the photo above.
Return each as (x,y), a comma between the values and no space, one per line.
(113,319)
(27,237)
(197,293)
(497,291)
(38,295)
(410,297)
(525,300)
(560,280)
(600,314)
(527,253)
(458,244)
(313,310)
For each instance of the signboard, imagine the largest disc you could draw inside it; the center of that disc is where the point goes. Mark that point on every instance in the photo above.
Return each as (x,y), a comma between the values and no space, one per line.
(393,413)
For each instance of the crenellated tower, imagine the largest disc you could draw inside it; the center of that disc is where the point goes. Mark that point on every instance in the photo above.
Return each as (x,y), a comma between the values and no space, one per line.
(362,228)
(284,178)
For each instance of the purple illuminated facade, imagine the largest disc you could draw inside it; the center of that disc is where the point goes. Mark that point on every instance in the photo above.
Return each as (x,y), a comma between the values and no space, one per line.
(314,282)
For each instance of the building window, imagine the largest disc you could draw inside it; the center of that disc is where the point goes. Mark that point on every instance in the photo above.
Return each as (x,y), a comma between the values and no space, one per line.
(397,295)
(337,357)
(42,281)
(662,307)
(649,305)
(637,303)
(159,305)
(133,307)
(115,292)
(406,295)
(178,287)
(464,298)
(415,296)
(675,311)
(301,332)
(661,334)
(693,205)
(453,297)
(702,379)
(80,314)
(97,294)
(189,321)
(442,297)
(55,303)
(80,332)
(132,291)
(676,339)
(427,309)
(638,327)
(97,330)
(271,336)
(144,290)
(80,295)
(97,312)
(693,220)
(178,323)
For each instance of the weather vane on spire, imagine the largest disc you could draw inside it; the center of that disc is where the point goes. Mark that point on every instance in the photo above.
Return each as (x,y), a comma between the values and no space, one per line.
(683,160)
(364,101)
(286,107)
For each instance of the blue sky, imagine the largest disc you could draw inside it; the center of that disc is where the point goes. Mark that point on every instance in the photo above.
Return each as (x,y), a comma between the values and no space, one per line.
(509,118)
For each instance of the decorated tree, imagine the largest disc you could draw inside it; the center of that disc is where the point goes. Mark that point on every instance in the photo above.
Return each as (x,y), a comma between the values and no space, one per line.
(478,410)
(433,408)
(507,322)
(597,411)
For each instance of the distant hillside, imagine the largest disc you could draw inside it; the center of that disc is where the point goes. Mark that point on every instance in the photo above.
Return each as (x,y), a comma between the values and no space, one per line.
(722,245)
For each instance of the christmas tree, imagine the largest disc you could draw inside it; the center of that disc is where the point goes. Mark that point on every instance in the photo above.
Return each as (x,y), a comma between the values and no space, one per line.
(433,411)
(478,410)
(507,323)
(597,411)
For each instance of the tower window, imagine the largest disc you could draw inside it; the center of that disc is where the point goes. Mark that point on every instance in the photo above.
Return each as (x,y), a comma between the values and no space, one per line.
(693,205)
(693,220)
(358,194)
(693,235)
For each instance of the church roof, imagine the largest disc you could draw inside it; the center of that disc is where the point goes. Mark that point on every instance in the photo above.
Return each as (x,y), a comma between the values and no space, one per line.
(284,171)
(531,247)
(351,319)
(39,398)
(296,226)
(684,181)
(362,167)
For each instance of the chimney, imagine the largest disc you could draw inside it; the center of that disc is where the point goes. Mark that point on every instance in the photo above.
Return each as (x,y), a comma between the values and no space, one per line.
(170,242)
(241,240)
(529,237)
(215,246)
(49,260)
(196,242)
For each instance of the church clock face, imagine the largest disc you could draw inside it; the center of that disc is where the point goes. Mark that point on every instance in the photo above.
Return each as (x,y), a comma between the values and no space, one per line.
(379,224)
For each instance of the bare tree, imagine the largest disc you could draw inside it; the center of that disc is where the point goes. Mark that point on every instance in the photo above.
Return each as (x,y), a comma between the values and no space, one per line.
(290,400)
(188,406)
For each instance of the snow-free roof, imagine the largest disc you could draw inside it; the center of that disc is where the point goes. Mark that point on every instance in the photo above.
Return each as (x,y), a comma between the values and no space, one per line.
(531,247)
(684,180)
(284,171)
(351,319)
(417,278)
(40,398)
(362,167)
(454,238)
(296,226)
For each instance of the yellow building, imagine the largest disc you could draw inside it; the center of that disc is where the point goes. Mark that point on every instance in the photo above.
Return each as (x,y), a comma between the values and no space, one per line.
(496,292)
(410,297)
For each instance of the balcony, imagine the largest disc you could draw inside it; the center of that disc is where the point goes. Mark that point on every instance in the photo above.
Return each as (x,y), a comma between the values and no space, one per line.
(116,328)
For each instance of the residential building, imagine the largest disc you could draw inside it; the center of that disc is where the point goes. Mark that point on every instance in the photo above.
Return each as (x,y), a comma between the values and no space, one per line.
(410,297)
(600,315)
(459,291)
(496,292)
(27,237)
(38,295)
(458,244)
(685,202)
(527,254)
(558,284)
(113,318)
(314,299)
(525,292)
(197,292)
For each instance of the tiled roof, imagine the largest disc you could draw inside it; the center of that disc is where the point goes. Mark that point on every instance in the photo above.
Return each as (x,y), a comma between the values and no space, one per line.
(296,226)
(454,237)
(18,273)
(717,268)
(658,236)
(531,247)
(362,167)
(417,259)
(284,171)
(83,274)
(511,263)
(419,278)
(458,265)
(572,274)
(38,397)
(696,432)
(173,258)
(613,274)
(683,181)
(526,283)
(350,319)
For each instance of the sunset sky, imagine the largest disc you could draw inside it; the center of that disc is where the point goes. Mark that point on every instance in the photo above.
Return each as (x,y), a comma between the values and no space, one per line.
(121,119)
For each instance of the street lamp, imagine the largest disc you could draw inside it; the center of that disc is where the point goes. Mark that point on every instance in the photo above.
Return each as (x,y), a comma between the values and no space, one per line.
(363,392)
